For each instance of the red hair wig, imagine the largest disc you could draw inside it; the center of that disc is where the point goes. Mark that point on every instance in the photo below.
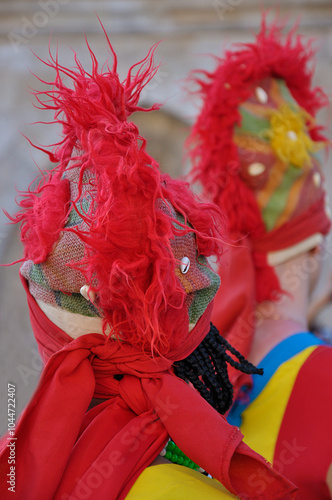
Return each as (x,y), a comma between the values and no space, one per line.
(127,207)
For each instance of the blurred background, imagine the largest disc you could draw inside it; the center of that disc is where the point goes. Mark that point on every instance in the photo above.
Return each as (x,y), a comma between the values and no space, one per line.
(190,31)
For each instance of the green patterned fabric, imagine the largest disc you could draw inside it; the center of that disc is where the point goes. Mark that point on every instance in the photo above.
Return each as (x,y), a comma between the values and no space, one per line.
(278,158)
(58,283)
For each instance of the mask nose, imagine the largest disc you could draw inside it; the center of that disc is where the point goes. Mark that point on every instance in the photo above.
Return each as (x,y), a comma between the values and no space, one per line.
(197,278)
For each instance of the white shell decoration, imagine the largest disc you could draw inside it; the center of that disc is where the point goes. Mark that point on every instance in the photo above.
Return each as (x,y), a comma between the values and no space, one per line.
(185,265)
(317,179)
(292,135)
(256,168)
(261,95)
(84,291)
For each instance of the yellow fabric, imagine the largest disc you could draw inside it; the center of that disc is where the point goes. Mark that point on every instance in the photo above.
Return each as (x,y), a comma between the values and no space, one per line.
(294,148)
(261,420)
(175,482)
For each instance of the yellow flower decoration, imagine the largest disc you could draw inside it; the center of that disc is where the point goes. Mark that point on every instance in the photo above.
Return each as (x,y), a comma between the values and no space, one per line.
(288,136)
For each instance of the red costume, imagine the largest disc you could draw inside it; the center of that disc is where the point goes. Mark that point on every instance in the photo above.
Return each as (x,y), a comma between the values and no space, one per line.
(107,217)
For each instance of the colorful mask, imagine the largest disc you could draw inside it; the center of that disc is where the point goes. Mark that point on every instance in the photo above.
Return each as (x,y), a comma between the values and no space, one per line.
(278,159)
(106,218)
(255,148)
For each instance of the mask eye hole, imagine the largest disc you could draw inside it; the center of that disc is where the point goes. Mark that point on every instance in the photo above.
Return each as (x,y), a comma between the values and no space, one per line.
(185,265)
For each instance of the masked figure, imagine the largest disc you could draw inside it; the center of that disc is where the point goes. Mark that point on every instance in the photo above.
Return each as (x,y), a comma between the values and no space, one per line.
(120,297)
(257,150)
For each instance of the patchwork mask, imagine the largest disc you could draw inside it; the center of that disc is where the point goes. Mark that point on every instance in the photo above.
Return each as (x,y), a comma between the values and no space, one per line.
(106,219)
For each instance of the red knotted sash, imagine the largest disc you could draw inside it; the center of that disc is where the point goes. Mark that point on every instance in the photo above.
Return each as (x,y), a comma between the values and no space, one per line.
(62,452)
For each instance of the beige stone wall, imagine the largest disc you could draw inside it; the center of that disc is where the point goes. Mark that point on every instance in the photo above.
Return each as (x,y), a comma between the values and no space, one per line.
(189,30)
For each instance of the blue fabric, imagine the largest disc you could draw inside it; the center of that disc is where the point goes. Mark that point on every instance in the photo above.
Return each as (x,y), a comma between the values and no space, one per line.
(270,363)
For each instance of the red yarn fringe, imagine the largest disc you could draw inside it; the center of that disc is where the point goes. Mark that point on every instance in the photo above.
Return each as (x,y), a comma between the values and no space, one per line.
(128,258)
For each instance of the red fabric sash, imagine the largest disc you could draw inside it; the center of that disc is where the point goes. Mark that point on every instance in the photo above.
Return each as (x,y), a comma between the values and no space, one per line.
(314,220)
(62,452)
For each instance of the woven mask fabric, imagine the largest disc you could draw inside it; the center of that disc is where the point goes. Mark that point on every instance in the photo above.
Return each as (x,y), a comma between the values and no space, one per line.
(199,281)
(57,281)
(278,159)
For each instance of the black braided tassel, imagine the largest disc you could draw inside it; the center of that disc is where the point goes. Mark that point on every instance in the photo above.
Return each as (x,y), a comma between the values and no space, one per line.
(206,369)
